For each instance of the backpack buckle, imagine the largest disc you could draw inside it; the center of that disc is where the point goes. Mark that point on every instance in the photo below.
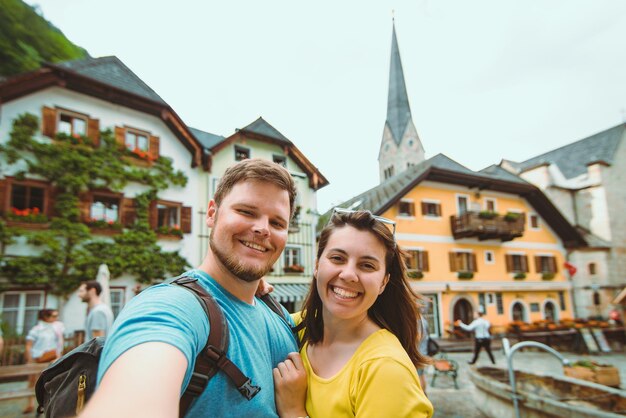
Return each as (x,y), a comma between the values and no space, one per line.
(248,390)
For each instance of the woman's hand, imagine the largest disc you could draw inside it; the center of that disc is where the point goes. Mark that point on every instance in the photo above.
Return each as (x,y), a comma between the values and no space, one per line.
(290,387)
(263,289)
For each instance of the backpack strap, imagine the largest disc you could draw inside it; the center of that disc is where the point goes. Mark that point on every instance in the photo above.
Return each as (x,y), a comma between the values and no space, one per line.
(213,357)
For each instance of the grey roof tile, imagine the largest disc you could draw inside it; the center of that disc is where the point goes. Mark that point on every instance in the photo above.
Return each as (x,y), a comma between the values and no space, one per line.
(208,140)
(261,127)
(110,70)
(572,159)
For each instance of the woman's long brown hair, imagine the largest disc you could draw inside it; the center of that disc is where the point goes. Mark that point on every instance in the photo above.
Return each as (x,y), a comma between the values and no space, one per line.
(396,309)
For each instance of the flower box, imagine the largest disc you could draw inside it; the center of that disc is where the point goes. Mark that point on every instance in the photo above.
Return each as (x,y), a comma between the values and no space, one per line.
(519,276)
(465,275)
(294,268)
(415,274)
(602,374)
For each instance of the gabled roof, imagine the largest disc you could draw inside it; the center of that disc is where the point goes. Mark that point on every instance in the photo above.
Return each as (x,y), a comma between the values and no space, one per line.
(442,169)
(572,159)
(261,130)
(108,79)
(398,109)
(110,70)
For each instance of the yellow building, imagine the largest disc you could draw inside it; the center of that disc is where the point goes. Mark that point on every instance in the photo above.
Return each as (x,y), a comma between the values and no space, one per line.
(484,240)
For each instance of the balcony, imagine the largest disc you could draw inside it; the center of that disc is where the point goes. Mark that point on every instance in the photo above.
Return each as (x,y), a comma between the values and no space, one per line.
(488,225)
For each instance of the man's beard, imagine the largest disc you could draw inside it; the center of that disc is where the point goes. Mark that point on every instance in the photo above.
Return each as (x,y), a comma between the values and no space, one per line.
(232,264)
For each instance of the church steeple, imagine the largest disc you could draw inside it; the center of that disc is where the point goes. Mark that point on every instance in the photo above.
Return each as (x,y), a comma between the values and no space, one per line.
(400,147)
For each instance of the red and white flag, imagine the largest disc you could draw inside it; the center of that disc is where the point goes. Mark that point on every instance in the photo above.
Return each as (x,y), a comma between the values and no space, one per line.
(571,269)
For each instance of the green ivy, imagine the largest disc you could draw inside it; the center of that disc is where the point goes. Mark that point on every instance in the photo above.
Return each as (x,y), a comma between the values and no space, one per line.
(68,253)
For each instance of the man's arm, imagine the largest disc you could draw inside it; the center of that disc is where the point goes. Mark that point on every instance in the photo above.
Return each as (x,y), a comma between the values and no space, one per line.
(98,324)
(97,333)
(145,381)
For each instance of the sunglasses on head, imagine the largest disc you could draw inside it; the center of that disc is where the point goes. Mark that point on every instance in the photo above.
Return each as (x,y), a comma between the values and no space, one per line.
(385,221)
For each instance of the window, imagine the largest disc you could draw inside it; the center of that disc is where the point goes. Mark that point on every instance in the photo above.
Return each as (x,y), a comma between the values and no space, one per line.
(117,300)
(135,140)
(518,312)
(462,203)
(27,197)
(20,309)
(388,172)
(545,264)
(406,208)
(417,260)
(592,269)
(490,298)
(482,306)
(431,208)
(241,153)
(489,257)
(167,215)
(105,208)
(280,159)
(516,263)
(490,205)
(534,307)
(292,256)
(72,125)
(462,261)
(534,221)
(499,304)
(562,300)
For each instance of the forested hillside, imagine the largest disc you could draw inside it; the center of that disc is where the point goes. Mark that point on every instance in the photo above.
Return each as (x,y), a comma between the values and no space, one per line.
(27,40)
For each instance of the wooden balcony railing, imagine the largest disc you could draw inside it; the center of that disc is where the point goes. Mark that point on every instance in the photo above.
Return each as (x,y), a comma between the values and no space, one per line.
(488,226)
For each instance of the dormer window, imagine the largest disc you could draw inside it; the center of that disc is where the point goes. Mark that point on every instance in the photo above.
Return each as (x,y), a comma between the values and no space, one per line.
(72,124)
(135,140)
(241,153)
(280,159)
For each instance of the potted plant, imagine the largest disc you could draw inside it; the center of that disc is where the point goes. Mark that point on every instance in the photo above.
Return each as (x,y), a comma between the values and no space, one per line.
(547,276)
(519,276)
(487,214)
(512,216)
(173,230)
(465,275)
(415,274)
(29,215)
(294,268)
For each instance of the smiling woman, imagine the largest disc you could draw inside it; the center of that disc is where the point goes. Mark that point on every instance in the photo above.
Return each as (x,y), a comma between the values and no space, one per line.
(360,333)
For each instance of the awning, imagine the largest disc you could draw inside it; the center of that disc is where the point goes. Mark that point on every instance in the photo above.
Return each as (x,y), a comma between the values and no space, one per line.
(290,292)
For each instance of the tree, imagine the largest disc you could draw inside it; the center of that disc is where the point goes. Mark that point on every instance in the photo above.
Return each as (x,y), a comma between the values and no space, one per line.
(68,252)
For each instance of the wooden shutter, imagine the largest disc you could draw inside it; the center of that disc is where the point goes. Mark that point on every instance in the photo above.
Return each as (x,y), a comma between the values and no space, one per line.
(509,262)
(3,196)
(538,264)
(525,268)
(84,206)
(50,198)
(93,131)
(120,137)
(129,213)
(411,208)
(424,208)
(153,215)
(49,122)
(154,147)
(424,260)
(438,206)
(452,261)
(185,219)
(473,265)
(553,266)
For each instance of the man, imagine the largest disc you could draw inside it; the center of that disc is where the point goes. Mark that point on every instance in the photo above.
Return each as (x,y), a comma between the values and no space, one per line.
(148,360)
(100,317)
(480,326)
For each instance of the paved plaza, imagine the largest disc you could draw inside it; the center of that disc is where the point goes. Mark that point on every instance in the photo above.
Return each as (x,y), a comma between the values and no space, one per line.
(448,401)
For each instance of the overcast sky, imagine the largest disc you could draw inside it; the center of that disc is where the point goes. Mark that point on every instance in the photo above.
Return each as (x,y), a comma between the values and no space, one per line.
(486,79)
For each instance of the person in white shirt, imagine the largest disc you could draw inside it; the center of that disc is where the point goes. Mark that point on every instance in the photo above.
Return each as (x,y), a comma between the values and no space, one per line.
(100,317)
(480,326)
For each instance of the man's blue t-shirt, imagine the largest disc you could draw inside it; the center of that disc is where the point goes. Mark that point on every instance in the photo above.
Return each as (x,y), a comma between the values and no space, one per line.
(259,340)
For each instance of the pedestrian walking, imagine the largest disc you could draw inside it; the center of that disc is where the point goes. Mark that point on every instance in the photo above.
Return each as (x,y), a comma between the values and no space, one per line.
(100,316)
(482,338)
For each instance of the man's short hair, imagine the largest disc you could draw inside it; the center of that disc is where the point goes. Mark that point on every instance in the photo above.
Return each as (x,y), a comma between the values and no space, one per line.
(92,284)
(258,170)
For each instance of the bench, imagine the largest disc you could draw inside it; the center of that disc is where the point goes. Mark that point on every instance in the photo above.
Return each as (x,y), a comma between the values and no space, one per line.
(443,365)
(20,372)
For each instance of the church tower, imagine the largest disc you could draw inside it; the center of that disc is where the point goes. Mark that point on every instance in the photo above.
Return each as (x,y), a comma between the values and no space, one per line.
(400,147)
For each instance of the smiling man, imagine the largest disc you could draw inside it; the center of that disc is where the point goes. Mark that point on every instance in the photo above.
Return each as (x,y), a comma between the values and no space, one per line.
(149,358)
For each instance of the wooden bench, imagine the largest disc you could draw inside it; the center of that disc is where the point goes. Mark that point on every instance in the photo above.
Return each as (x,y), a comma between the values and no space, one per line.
(20,372)
(443,365)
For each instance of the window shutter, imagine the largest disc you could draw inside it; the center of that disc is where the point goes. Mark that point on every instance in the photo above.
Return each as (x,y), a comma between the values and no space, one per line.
(452,261)
(509,262)
(153,215)
(411,208)
(84,206)
(473,266)
(129,213)
(525,268)
(120,137)
(185,219)
(3,196)
(93,131)
(424,208)
(49,122)
(154,147)
(538,264)
(553,265)
(424,260)
(49,202)
(438,206)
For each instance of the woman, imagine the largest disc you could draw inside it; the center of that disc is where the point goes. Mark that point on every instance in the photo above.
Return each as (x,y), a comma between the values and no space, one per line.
(360,335)
(44,344)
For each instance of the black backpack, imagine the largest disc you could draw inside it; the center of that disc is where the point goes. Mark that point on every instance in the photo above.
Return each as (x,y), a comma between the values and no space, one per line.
(64,388)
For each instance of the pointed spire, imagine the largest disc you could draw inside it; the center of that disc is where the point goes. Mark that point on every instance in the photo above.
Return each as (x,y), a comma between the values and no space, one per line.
(398,110)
